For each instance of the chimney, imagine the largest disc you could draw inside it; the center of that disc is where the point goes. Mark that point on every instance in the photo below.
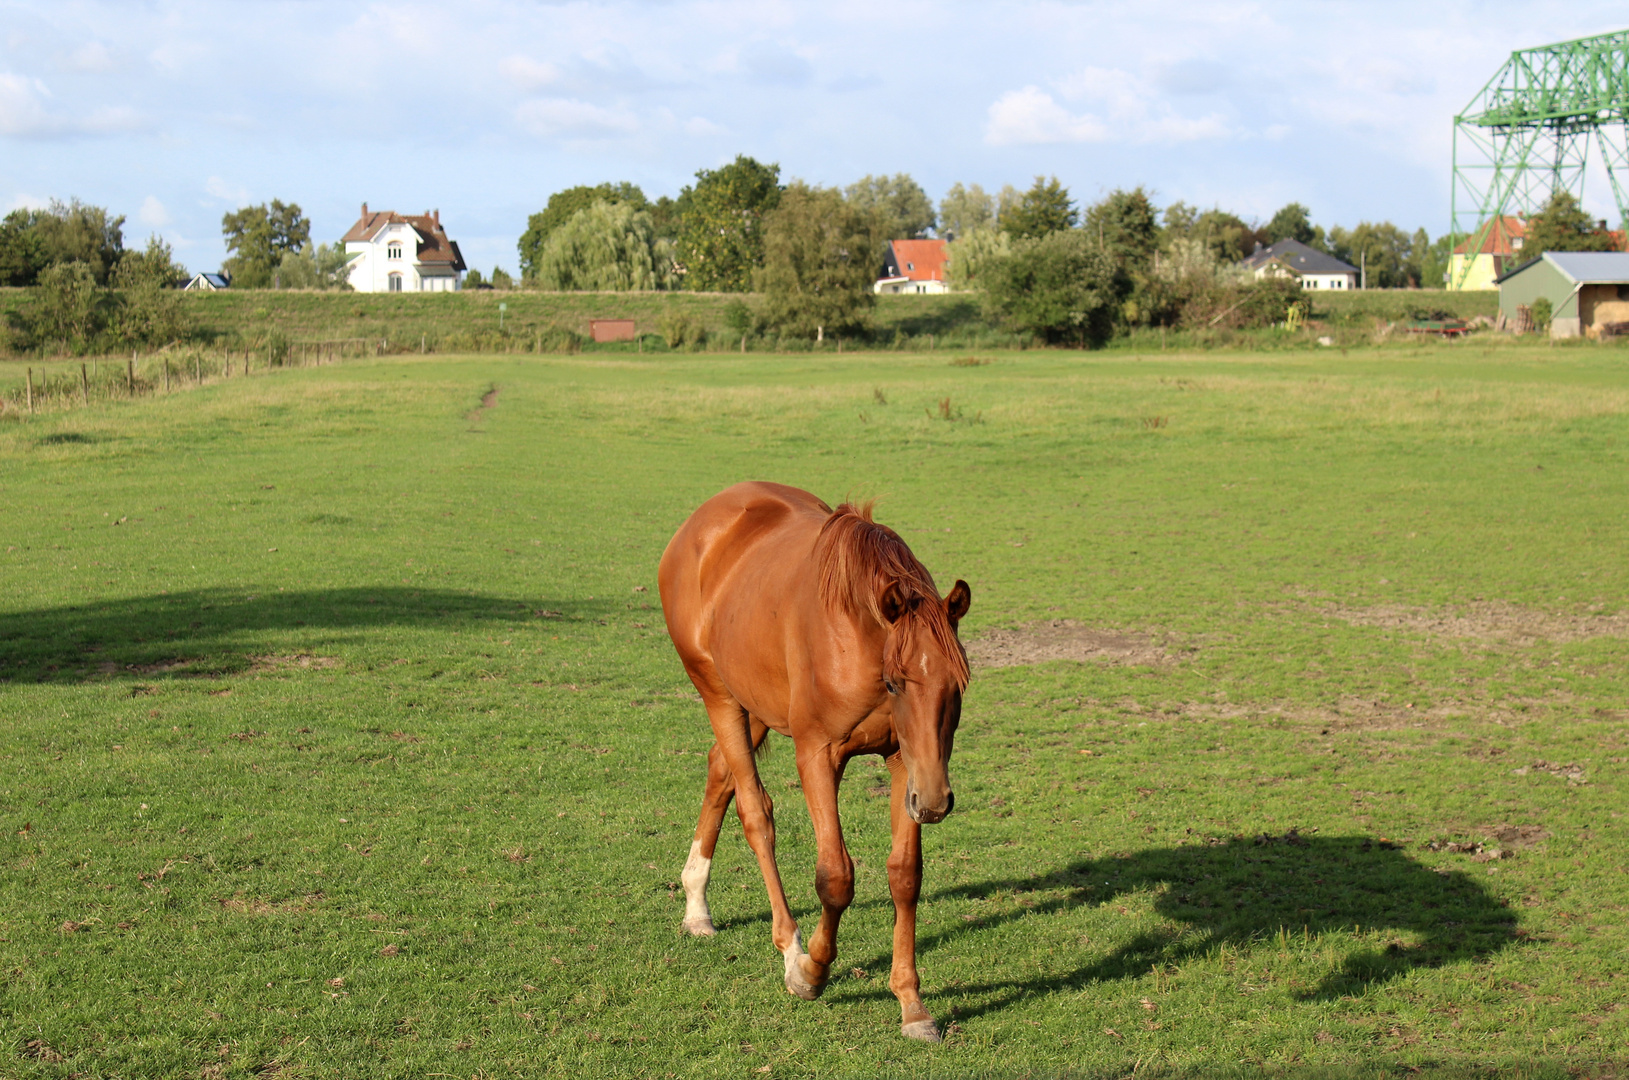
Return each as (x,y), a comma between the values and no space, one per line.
(364,211)
(436,214)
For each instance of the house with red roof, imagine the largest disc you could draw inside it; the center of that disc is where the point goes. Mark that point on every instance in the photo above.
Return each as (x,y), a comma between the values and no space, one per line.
(391,252)
(914,266)
(1498,247)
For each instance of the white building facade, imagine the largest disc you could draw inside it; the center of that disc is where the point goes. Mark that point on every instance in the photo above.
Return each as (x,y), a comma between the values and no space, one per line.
(391,252)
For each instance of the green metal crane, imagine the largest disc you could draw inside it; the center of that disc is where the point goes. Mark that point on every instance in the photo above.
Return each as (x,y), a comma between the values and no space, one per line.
(1526,134)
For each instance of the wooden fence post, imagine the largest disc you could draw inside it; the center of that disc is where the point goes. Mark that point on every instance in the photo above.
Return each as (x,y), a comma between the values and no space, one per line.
(197,368)
(84,385)
(130,376)
(166,374)
(30,390)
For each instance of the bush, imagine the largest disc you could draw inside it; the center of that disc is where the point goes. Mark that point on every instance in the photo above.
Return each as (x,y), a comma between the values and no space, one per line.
(1062,288)
(69,308)
(680,329)
(1543,312)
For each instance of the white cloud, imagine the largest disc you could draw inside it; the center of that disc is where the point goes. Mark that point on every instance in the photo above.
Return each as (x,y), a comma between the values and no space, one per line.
(550,117)
(220,189)
(1123,108)
(528,74)
(23,113)
(152,213)
(25,201)
(702,128)
(1029,116)
(21,110)
(91,56)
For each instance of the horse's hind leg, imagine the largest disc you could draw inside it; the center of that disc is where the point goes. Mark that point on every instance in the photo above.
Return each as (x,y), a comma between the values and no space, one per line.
(698,920)
(698,867)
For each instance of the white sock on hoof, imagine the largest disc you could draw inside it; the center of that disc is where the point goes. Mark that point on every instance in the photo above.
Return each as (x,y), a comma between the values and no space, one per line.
(697,869)
(795,981)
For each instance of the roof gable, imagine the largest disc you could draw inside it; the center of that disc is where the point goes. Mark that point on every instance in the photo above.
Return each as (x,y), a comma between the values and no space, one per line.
(917,260)
(432,243)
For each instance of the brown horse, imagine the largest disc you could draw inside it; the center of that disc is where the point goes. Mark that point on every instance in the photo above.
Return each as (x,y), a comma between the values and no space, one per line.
(821,625)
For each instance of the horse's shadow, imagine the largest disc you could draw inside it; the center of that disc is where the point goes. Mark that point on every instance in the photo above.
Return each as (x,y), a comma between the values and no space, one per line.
(1240,893)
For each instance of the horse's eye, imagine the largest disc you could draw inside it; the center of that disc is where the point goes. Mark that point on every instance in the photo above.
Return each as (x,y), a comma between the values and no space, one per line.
(891,686)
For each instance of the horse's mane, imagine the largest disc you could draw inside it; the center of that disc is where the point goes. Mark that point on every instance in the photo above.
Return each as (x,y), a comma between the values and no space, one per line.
(859,559)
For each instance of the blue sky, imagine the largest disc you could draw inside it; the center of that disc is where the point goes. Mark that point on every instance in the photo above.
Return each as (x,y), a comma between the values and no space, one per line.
(174,113)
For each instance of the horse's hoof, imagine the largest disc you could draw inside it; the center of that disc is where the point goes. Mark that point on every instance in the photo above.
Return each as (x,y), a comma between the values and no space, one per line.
(921,1030)
(802,989)
(699,927)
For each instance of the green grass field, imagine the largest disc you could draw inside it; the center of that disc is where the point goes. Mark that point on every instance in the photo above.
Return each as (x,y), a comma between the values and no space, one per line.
(340,737)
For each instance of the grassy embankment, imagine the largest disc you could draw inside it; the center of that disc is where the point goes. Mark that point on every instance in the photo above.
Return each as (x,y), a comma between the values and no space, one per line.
(339,736)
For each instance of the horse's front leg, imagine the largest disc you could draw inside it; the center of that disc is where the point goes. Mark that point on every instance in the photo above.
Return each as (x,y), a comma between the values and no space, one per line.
(834,871)
(905,883)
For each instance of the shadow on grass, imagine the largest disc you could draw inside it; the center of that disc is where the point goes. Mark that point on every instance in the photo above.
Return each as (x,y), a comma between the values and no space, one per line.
(1243,894)
(959,313)
(215,631)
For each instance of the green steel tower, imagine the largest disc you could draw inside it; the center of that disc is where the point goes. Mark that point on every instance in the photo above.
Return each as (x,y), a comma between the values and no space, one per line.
(1526,134)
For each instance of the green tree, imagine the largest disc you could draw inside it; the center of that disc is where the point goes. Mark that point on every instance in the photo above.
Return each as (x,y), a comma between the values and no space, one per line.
(69,308)
(561,207)
(473,279)
(820,262)
(500,278)
(31,240)
(259,237)
(1382,251)
(606,246)
(721,238)
(149,309)
(1062,287)
(1045,208)
(1293,223)
(320,266)
(1227,236)
(899,203)
(965,209)
(1126,224)
(1431,256)
(973,252)
(1564,226)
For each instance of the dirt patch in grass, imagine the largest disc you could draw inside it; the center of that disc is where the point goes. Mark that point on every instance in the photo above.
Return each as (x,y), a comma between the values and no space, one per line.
(1061,639)
(1487,620)
(250,905)
(488,400)
(260,665)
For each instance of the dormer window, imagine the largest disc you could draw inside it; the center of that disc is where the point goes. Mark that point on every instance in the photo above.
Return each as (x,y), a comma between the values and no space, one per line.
(394,251)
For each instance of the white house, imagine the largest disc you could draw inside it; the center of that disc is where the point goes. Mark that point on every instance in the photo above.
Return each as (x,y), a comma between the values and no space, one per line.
(391,252)
(207,282)
(1313,268)
(913,266)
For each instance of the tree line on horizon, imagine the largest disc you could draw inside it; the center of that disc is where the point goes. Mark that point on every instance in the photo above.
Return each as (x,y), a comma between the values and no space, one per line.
(1043,264)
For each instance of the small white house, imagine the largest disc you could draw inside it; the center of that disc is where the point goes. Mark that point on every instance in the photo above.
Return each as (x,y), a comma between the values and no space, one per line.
(1313,268)
(207,282)
(913,266)
(391,252)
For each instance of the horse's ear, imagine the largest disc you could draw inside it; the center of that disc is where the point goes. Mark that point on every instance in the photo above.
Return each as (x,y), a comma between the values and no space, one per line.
(959,600)
(891,603)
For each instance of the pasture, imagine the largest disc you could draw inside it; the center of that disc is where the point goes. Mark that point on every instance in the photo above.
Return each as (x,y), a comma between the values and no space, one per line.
(340,736)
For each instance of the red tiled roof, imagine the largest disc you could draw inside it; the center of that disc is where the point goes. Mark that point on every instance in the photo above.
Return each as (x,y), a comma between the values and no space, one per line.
(1497,240)
(919,260)
(433,246)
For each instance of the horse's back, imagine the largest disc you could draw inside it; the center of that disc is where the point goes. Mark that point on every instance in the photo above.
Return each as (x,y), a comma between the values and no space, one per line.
(731,531)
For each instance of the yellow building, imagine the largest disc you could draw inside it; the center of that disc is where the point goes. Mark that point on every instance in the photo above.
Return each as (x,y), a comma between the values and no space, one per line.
(1500,250)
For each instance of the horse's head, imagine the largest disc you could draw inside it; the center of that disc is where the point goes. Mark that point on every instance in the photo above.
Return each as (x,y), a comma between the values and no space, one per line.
(925,671)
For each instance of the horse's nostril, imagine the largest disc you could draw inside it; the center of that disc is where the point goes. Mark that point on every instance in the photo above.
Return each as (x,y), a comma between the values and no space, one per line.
(950,803)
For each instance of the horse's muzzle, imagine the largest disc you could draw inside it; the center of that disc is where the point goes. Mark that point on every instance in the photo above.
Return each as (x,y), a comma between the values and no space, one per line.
(927,815)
